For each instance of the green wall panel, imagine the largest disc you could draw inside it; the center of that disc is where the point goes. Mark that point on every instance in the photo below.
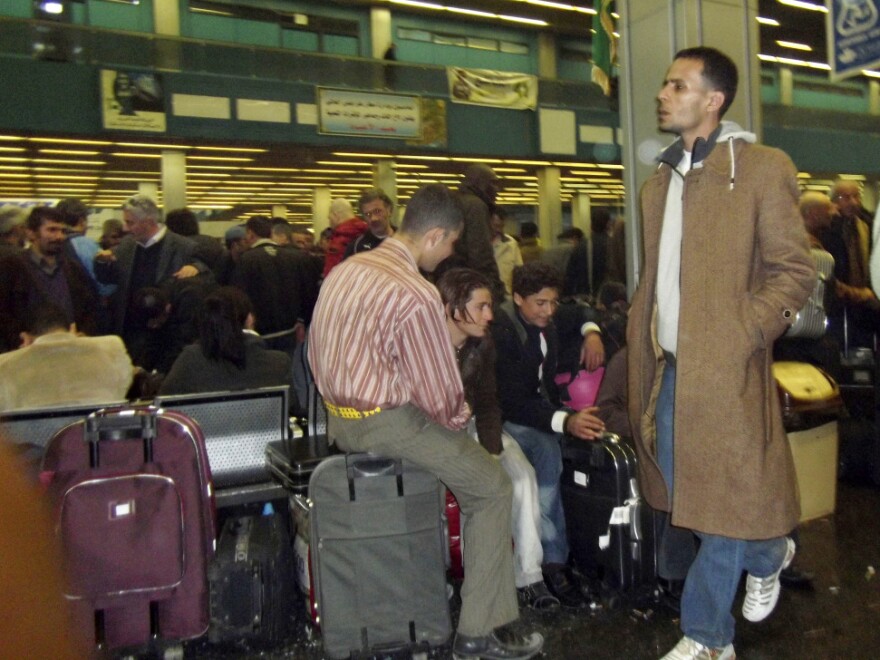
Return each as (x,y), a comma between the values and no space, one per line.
(340,45)
(121,16)
(479,129)
(51,96)
(298,40)
(17,8)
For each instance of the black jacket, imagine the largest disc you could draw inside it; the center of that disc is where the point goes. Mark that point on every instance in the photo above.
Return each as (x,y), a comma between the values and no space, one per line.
(525,399)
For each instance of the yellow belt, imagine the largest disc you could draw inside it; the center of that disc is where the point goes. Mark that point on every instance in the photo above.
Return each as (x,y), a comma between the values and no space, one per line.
(350,413)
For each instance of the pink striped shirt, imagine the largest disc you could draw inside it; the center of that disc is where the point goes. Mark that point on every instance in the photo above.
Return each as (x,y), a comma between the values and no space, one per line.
(379,338)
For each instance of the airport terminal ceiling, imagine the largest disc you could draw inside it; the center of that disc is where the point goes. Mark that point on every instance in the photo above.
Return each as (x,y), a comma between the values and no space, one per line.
(239,180)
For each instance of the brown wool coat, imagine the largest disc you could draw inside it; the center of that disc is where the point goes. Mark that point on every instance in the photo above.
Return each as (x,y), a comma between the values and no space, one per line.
(745,270)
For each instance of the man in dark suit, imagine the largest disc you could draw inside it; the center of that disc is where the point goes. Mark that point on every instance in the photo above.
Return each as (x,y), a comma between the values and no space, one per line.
(282,284)
(148,256)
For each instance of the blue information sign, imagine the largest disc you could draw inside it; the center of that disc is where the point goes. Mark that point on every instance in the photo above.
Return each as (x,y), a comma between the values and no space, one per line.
(853,36)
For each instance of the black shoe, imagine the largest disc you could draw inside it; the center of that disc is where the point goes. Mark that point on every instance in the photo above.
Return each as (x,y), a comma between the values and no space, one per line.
(503,643)
(795,578)
(568,593)
(536,596)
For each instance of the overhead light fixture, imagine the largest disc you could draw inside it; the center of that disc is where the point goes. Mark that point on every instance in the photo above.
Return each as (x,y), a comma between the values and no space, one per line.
(61,161)
(763,20)
(153,145)
(69,141)
(237,159)
(822,66)
(470,12)
(70,152)
(13,149)
(249,150)
(794,45)
(871,74)
(52,7)
(125,154)
(804,5)
(522,19)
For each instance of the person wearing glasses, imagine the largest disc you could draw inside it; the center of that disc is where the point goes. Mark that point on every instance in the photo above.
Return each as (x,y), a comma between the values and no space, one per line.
(376,208)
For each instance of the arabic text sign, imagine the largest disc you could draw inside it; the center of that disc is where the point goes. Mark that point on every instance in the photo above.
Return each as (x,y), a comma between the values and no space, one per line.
(343,112)
(853,28)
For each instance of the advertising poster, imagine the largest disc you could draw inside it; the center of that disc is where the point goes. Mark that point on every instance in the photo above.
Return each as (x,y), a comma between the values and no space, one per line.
(500,89)
(132,101)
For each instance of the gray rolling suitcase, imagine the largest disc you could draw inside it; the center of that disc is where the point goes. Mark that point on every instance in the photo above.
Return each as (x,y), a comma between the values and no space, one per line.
(377,554)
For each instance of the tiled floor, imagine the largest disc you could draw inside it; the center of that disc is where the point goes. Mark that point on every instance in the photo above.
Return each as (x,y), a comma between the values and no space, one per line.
(840,618)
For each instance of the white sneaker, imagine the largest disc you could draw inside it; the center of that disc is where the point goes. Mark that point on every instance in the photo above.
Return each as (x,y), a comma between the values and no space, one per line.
(690,649)
(762,594)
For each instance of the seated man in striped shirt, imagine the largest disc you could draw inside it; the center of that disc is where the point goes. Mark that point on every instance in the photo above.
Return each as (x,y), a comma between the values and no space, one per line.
(400,367)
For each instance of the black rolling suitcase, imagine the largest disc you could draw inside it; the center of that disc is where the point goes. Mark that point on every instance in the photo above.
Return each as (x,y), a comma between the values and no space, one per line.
(377,553)
(612,532)
(252,578)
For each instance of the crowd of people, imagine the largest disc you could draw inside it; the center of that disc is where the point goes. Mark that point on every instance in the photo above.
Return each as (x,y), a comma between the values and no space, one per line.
(440,341)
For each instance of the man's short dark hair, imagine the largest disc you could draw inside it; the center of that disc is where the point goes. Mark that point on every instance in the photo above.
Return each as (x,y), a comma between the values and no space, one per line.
(182,222)
(530,278)
(42,214)
(46,317)
(718,70)
(457,285)
(528,229)
(371,195)
(74,211)
(432,206)
(261,225)
(282,228)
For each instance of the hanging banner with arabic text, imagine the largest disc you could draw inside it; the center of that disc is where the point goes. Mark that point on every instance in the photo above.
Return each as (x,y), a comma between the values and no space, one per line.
(853,29)
(343,112)
(500,89)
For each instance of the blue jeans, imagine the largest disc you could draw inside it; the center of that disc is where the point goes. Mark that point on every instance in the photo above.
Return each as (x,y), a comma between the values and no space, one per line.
(713,578)
(545,454)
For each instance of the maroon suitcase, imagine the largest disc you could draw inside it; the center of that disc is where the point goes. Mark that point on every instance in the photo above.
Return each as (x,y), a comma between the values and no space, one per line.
(134,513)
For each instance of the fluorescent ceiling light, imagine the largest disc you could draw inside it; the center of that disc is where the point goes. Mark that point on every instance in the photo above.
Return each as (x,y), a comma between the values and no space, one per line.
(71,152)
(763,20)
(794,62)
(793,45)
(240,149)
(804,5)
(61,161)
(153,145)
(125,154)
(237,159)
(66,141)
(417,3)
(522,19)
(470,12)
(871,74)
(349,154)
(15,149)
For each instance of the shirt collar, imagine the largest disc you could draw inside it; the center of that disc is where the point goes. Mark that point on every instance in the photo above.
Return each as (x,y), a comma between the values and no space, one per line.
(397,246)
(155,238)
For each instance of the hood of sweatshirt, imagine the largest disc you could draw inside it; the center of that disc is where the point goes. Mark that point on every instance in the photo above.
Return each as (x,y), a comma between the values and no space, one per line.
(727,131)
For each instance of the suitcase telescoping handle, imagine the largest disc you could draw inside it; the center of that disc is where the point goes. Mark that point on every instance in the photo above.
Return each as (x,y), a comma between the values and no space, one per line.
(360,466)
(122,425)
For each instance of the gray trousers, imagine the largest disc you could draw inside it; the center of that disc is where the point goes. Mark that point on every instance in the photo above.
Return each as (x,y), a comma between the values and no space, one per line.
(481,487)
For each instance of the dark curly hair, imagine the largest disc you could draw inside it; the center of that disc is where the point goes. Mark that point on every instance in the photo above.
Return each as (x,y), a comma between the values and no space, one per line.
(530,278)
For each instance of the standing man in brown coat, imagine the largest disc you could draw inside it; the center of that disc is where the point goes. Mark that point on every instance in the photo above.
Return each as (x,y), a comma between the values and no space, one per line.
(726,268)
